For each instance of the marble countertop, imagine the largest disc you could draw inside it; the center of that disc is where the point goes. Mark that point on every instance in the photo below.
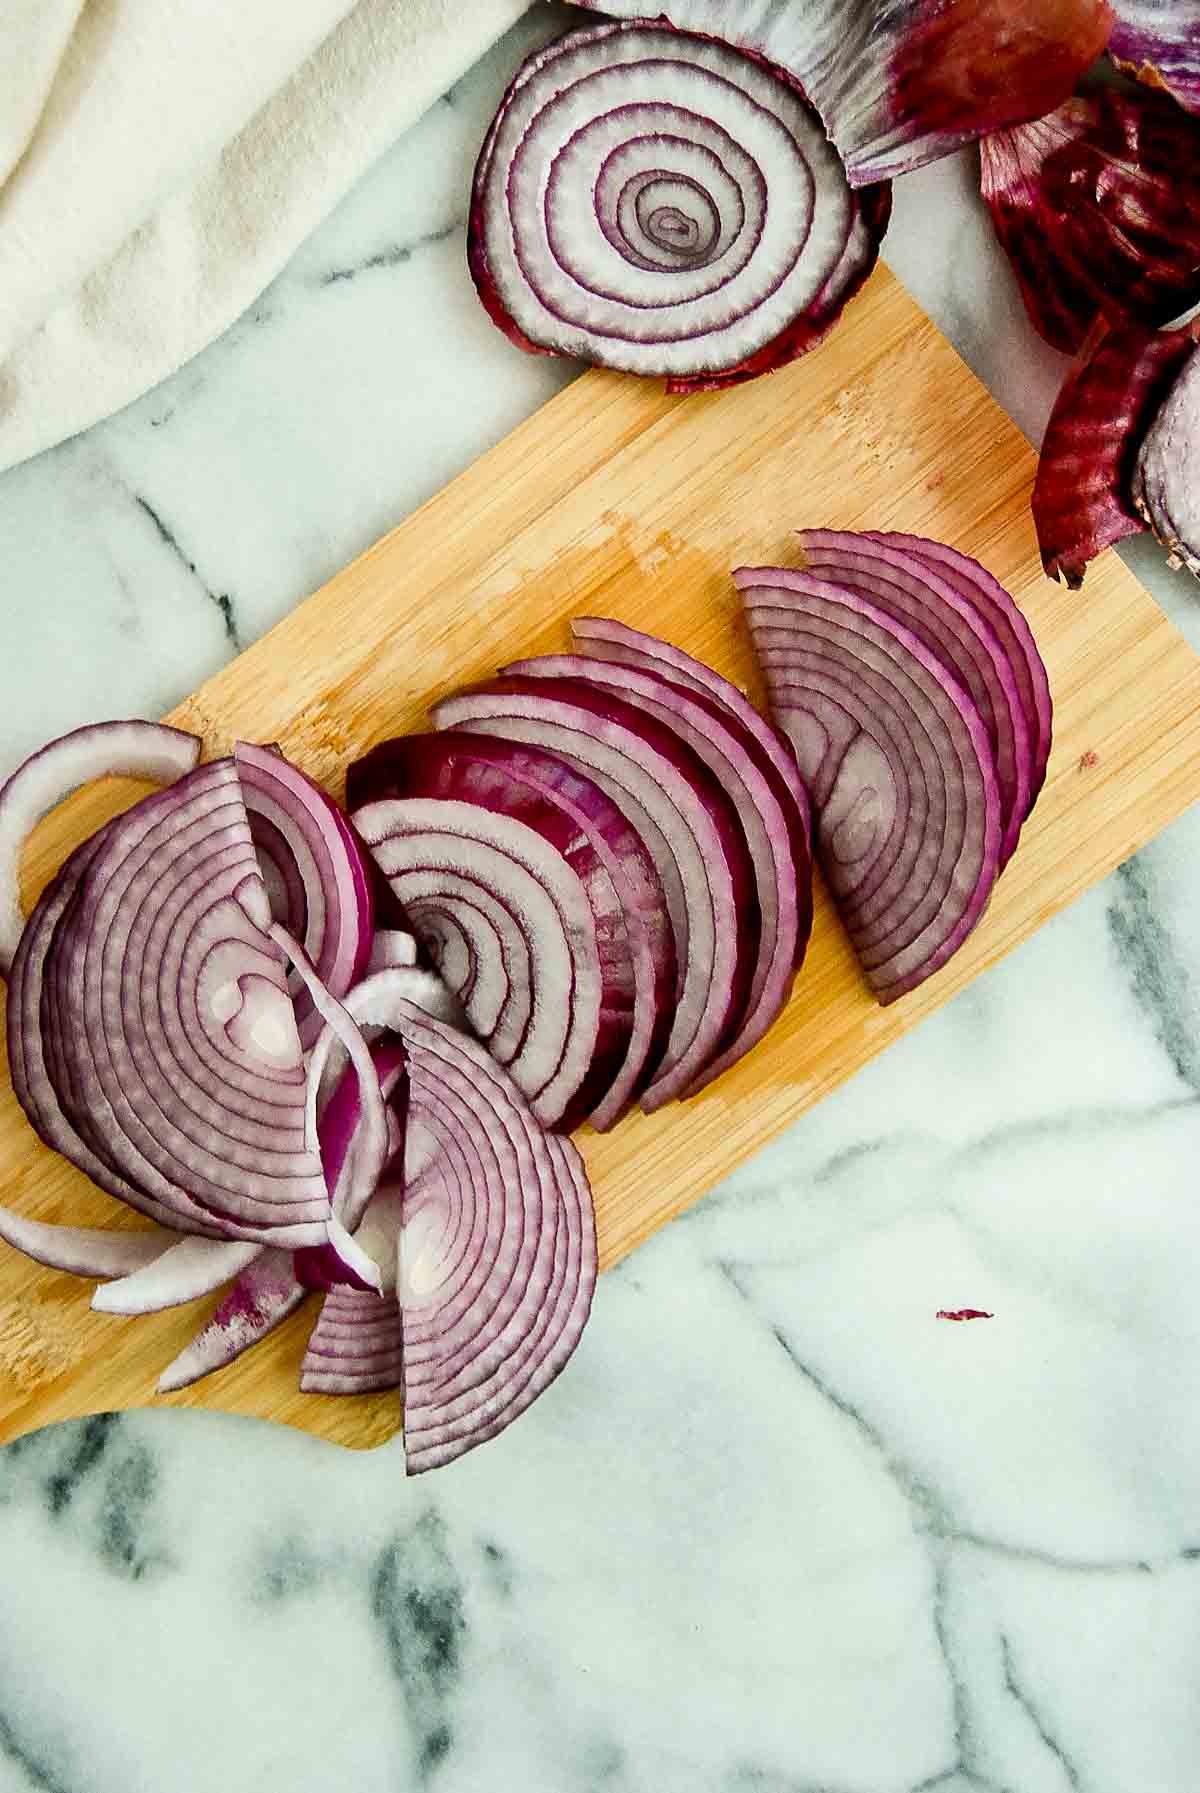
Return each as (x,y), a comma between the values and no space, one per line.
(776,1530)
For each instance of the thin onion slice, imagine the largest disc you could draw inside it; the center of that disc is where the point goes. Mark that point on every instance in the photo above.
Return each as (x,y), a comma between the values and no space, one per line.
(372,1005)
(688,823)
(899,766)
(316,872)
(1097,206)
(189,1269)
(1083,494)
(392,949)
(901,82)
(1165,489)
(83,1250)
(1158,41)
(615,868)
(659,203)
(356,1345)
(104,749)
(731,754)
(260,1300)
(941,616)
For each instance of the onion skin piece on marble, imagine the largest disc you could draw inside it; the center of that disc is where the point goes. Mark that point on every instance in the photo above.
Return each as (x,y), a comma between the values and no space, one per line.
(1158,41)
(1165,489)
(1097,206)
(898,764)
(696,224)
(899,83)
(1083,494)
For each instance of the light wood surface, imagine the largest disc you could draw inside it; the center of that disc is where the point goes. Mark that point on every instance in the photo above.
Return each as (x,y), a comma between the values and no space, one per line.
(618,500)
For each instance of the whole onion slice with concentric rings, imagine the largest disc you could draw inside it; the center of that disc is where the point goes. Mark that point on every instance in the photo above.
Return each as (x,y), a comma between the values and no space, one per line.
(899,765)
(660,203)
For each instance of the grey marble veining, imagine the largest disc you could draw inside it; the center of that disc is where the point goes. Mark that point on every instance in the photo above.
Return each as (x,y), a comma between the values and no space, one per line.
(777,1530)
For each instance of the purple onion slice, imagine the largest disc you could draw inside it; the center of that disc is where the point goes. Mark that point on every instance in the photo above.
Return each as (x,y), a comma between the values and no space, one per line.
(948,623)
(899,766)
(1165,487)
(260,1300)
(687,821)
(191,1268)
(731,755)
(83,1250)
(1159,42)
(618,875)
(902,82)
(356,1345)
(659,203)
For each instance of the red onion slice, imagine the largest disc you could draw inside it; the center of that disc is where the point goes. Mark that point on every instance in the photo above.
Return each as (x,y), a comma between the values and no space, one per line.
(116,749)
(260,1300)
(1083,494)
(83,1250)
(902,82)
(658,203)
(612,861)
(1165,488)
(502,909)
(943,617)
(730,753)
(688,823)
(356,1345)
(899,766)
(376,1003)
(392,949)
(1097,206)
(189,1269)
(316,873)
(1159,42)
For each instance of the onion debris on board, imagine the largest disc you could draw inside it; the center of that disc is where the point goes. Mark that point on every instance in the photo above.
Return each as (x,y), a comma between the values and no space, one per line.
(1097,206)
(910,732)
(662,204)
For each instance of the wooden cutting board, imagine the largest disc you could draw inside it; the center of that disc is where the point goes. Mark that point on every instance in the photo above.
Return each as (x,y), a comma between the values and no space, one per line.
(615,499)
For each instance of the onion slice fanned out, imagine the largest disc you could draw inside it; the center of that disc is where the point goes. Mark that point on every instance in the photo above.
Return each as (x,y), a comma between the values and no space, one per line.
(902,82)
(1159,42)
(1098,208)
(899,766)
(659,203)
(1083,497)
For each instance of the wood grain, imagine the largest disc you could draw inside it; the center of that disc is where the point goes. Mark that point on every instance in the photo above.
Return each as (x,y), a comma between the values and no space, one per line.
(619,500)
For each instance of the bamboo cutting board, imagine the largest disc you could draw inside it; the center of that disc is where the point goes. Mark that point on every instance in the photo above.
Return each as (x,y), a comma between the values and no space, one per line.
(618,500)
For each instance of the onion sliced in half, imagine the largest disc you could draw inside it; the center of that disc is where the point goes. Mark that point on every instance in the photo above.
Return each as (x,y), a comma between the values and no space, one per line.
(614,866)
(659,203)
(1083,495)
(497,1257)
(899,766)
(1165,488)
(731,754)
(687,821)
(104,749)
(902,82)
(1159,42)
(191,1268)
(1097,206)
(355,1346)
(260,1300)
(945,620)
(503,911)
(316,873)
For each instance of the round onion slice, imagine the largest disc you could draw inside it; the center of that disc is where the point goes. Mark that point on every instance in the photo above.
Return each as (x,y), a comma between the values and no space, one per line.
(497,1256)
(731,754)
(687,821)
(1165,488)
(191,1268)
(355,1346)
(500,904)
(907,587)
(616,869)
(316,873)
(899,766)
(659,203)
(117,749)
(260,1300)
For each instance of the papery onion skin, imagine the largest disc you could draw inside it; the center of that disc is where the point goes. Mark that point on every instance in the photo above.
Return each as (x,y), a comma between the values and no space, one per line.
(1158,41)
(1098,208)
(1083,494)
(600,276)
(899,83)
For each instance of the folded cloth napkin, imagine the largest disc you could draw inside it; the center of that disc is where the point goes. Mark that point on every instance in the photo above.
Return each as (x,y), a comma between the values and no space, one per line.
(160,160)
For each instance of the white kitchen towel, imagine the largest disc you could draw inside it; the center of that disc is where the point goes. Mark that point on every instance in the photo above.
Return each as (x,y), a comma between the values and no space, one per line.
(161,159)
